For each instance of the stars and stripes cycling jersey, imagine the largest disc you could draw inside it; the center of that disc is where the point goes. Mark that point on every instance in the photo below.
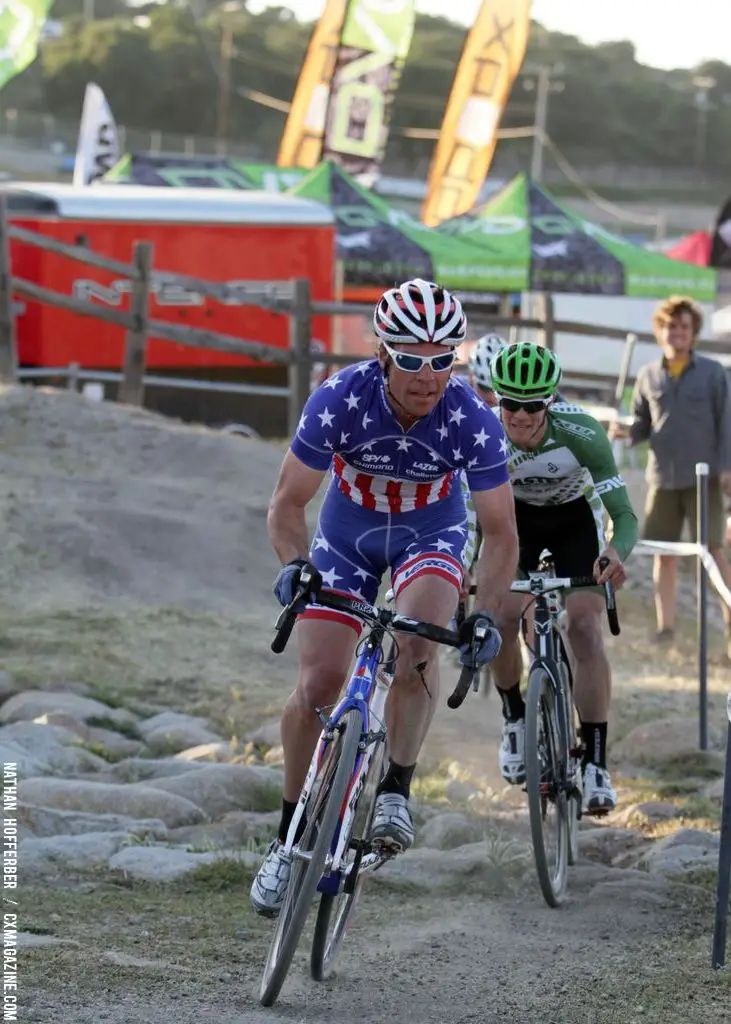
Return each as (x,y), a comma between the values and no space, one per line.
(394,501)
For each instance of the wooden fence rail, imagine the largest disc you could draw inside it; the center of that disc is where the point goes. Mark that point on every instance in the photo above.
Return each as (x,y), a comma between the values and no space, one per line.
(287,298)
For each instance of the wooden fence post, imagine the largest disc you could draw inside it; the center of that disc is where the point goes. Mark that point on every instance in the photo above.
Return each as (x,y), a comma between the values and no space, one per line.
(300,337)
(8,347)
(131,387)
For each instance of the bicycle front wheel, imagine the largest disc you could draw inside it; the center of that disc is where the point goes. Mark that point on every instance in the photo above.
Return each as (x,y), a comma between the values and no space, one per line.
(310,854)
(547,799)
(335,912)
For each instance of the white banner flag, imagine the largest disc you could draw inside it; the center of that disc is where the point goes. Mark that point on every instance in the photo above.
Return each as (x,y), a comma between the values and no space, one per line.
(98,148)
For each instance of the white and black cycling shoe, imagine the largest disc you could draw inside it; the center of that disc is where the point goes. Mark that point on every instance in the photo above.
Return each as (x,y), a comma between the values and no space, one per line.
(269,887)
(599,794)
(512,752)
(392,828)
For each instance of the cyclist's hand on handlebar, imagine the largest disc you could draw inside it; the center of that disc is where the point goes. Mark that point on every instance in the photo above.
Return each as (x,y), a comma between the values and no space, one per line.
(481,640)
(288,580)
(613,573)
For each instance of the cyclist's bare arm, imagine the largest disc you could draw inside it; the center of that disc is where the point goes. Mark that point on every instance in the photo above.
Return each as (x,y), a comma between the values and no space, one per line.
(296,486)
(499,556)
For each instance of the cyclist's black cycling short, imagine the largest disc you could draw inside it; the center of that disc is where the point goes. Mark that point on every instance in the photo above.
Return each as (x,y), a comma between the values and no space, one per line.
(569,531)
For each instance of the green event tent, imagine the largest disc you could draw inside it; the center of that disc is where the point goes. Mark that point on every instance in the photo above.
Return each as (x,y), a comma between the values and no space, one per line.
(381,245)
(201,172)
(548,248)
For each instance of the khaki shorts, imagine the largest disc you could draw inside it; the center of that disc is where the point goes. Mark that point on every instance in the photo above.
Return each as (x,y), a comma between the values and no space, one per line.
(666,511)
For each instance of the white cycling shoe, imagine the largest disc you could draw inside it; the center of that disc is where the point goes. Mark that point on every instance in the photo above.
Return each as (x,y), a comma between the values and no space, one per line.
(270,884)
(392,826)
(599,795)
(512,752)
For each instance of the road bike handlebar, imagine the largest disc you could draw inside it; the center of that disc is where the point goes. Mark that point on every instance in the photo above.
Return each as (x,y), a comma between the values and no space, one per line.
(382,616)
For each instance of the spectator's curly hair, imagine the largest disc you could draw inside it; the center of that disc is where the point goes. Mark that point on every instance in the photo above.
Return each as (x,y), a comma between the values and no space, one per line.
(675,306)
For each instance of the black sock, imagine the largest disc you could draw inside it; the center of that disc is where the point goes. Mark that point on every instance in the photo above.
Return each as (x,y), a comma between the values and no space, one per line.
(594,735)
(288,809)
(397,779)
(513,703)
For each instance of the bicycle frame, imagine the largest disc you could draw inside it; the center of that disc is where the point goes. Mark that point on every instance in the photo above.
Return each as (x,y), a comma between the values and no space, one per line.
(366,692)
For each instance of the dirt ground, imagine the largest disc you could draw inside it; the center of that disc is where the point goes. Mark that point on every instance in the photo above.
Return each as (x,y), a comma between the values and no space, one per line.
(136,561)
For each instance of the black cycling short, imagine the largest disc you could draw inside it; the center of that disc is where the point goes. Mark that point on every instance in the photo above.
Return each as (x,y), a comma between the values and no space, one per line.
(569,531)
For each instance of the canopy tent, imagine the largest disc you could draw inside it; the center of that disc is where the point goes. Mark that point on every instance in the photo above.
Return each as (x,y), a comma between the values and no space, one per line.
(201,172)
(695,248)
(381,246)
(551,249)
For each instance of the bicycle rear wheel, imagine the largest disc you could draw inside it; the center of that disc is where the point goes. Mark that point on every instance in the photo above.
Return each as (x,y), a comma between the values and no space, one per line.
(334,912)
(547,800)
(310,854)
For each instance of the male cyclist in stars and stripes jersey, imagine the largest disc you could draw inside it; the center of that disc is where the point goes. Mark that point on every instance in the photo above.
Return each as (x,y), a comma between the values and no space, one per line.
(396,432)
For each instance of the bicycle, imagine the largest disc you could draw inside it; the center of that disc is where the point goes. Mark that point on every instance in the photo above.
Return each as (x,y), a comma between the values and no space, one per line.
(552,750)
(328,837)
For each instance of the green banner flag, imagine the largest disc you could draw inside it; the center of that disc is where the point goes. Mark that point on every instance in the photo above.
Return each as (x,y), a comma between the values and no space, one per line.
(21,22)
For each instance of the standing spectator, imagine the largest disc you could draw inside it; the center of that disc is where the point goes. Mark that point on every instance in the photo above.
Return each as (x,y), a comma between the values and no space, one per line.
(682,405)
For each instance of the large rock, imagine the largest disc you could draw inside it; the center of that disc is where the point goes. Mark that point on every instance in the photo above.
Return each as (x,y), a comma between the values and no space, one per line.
(468,869)
(170,732)
(649,813)
(686,850)
(218,752)
(267,735)
(668,740)
(449,831)
(162,864)
(220,788)
(31,704)
(114,744)
(714,789)
(50,821)
(142,769)
(610,846)
(135,801)
(234,830)
(53,855)
(46,750)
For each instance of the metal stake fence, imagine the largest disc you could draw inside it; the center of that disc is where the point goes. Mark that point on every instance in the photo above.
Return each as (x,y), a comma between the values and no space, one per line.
(718,955)
(701,472)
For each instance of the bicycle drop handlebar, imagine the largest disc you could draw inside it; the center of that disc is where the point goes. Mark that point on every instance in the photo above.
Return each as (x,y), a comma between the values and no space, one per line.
(373,615)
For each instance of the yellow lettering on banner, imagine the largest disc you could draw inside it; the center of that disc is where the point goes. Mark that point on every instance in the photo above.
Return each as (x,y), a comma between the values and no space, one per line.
(491,59)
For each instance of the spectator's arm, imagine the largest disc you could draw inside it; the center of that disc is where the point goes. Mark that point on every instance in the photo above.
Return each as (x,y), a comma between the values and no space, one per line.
(721,398)
(640,410)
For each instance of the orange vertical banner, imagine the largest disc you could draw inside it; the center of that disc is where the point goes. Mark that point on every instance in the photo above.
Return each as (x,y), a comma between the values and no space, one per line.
(491,59)
(301,144)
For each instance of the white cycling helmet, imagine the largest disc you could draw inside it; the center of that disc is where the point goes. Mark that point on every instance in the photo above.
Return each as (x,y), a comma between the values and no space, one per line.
(479,362)
(419,311)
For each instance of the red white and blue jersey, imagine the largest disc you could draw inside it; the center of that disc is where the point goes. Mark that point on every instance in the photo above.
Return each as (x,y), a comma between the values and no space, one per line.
(348,425)
(395,501)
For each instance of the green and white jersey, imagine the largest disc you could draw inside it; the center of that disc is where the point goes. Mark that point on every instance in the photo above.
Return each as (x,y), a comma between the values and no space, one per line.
(575,460)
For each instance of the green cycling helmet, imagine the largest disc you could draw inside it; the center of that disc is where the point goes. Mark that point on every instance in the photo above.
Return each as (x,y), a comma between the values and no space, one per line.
(525,371)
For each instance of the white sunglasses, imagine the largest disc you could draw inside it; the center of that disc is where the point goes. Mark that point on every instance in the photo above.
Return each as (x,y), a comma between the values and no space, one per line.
(413,363)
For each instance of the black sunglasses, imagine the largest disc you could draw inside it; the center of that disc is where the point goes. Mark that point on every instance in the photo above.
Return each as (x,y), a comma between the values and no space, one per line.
(513,405)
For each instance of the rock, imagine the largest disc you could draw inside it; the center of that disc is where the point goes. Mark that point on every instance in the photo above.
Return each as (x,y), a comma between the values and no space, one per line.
(170,720)
(65,721)
(53,855)
(142,769)
(274,757)
(650,812)
(163,864)
(714,789)
(610,845)
(8,688)
(665,741)
(685,850)
(50,821)
(219,788)
(134,801)
(267,735)
(449,831)
(31,704)
(46,750)
(235,829)
(466,869)
(114,743)
(31,940)
(113,956)
(219,752)
(171,739)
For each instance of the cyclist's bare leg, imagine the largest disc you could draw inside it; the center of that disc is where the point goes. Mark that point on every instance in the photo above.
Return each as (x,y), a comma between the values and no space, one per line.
(413,695)
(592,675)
(325,652)
(507,668)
